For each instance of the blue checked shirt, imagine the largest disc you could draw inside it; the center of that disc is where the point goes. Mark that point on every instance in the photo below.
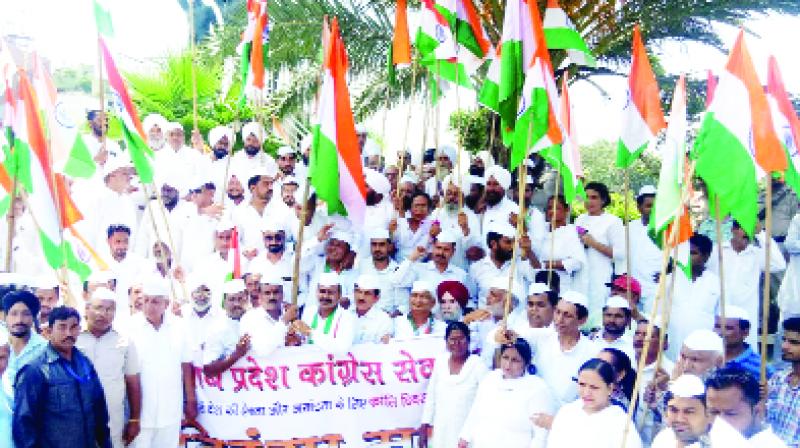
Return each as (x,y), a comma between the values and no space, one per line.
(751,362)
(783,408)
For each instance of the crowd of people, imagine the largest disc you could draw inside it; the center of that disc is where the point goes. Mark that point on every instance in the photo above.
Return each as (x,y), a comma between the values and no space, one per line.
(199,271)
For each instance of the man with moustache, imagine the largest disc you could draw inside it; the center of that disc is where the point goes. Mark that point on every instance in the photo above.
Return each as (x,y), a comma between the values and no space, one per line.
(221,139)
(117,365)
(178,214)
(127,266)
(392,299)
(326,324)
(225,346)
(47,291)
(616,320)
(498,207)
(650,412)
(275,258)
(59,399)
(21,309)
(783,398)
(373,325)
(199,316)
(461,221)
(497,263)
(267,324)
(438,269)
(252,158)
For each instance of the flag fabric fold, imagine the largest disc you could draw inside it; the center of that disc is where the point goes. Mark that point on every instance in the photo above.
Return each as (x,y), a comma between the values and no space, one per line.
(566,158)
(254,48)
(737,142)
(786,122)
(335,165)
(560,33)
(642,117)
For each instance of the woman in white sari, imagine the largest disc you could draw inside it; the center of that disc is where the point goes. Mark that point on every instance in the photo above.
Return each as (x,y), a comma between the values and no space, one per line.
(451,389)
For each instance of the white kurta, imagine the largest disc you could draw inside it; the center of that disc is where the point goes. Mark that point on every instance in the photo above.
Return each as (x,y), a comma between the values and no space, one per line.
(266,333)
(645,262)
(573,427)
(608,230)
(568,249)
(403,329)
(743,277)
(393,297)
(789,292)
(694,307)
(408,240)
(373,326)
(449,222)
(500,414)
(449,397)
(721,435)
(336,338)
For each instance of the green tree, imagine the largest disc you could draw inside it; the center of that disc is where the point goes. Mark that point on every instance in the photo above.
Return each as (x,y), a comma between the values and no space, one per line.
(598,166)
(74,79)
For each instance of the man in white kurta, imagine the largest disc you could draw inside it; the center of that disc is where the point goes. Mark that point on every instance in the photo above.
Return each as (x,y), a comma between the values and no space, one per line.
(497,262)
(199,315)
(226,345)
(252,158)
(177,162)
(373,325)
(392,298)
(462,222)
(266,325)
(645,255)
(438,269)
(166,371)
(326,324)
(616,321)
(498,207)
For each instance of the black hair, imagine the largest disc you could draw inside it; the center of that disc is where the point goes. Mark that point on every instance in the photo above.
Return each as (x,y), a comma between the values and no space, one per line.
(735,376)
(524,349)
(645,321)
(602,191)
(492,236)
(641,198)
(628,313)
(603,368)
(456,325)
(114,228)
(554,281)
(622,364)
(560,199)
(62,313)
(21,295)
(253,180)
(427,197)
(792,324)
(581,312)
(702,243)
(552,298)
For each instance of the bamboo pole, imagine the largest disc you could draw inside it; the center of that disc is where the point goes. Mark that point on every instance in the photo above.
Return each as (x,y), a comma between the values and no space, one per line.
(458,150)
(627,192)
(520,224)
(553,228)
(163,256)
(765,298)
(718,223)
(12,220)
(299,246)
(426,117)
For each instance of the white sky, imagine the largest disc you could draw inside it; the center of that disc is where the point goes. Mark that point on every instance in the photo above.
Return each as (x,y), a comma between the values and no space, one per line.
(146,29)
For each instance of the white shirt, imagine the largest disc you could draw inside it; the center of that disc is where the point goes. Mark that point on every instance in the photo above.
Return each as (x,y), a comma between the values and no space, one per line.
(645,422)
(697,304)
(608,230)
(372,326)
(494,214)
(645,261)
(721,435)
(408,240)
(340,333)
(404,329)
(449,397)
(161,353)
(392,297)
(484,271)
(568,249)
(766,439)
(500,414)
(448,221)
(266,333)
(222,340)
(573,427)
(409,272)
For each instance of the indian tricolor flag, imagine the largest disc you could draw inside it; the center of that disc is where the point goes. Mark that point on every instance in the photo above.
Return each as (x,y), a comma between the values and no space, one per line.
(642,117)
(515,56)
(43,195)
(472,41)
(669,208)
(400,49)
(335,166)
(786,123)
(567,156)
(737,139)
(436,43)
(560,33)
(537,125)
(132,130)
(254,47)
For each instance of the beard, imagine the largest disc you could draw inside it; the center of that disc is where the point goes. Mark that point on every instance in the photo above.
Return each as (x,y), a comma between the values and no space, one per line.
(503,255)
(275,248)
(373,198)
(251,150)
(493,197)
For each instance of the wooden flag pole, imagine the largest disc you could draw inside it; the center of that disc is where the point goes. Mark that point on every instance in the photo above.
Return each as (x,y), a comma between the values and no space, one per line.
(553,228)
(426,117)
(718,224)
(627,192)
(163,256)
(299,245)
(765,298)
(12,226)
(194,72)
(458,152)
(521,171)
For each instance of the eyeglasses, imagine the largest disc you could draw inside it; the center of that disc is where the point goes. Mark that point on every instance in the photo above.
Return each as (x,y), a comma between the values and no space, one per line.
(277,237)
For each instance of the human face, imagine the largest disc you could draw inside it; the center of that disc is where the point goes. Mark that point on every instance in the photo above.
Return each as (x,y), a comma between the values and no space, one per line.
(275,242)
(646,207)
(365,299)
(336,250)
(442,253)
(698,259)
(615,321)
(566,319)
(206,196)
(328,297)
(729,404)
(593,390)
(730,331)
(236,304)
(222,240)
(449,306)
(19,320)
(252,145)
(64,333)
(511,363)
(286,163)
(503,250)
(201,297)
(451,195)
(494,191)
(100,314)
(153,307)
(444,161)
(688,419)
(235,188)
(379,249)
(5,353)
(495,301)
(419,208)
(391,175)
(48,299)
(639,338)
(699,362)
(421,302)
(287,194)
(594,203)
(262,190)
(223,144)
(136,298)
(175,138)
(118,243)
(559,215)
(457,344)
(540,311)
(790,347)
(155,134)
(118,180)
(251,286)
(271,297)
(169,195)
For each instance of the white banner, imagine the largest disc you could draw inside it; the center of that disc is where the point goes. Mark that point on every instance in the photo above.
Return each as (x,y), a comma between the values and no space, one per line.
(301,396)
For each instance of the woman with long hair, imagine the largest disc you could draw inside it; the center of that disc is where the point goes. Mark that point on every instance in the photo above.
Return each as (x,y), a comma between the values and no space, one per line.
(507,399)
(625,379)
(592,420)
(451,389)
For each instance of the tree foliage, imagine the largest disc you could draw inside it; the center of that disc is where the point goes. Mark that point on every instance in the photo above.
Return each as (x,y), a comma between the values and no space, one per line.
(598,165)
(74,79)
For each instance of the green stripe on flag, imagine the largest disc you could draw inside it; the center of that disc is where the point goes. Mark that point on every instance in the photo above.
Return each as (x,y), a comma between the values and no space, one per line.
(324,172)
(625,157)
(80,162)
(489,95)
(75,264)
(5,204)
(103,20)
(140,153)
(531,126)
(19,164)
